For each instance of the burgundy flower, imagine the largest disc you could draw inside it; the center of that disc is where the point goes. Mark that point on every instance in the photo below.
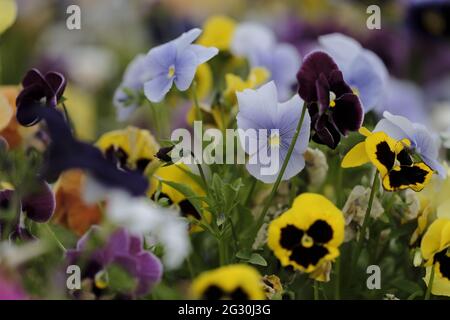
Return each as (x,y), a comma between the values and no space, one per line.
(121,249)
(38,91)
(334,108)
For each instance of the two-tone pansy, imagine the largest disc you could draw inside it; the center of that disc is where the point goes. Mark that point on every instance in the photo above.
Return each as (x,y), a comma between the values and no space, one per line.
(393,159)
(435,249)
(308,234)
(232,282)
(334,108)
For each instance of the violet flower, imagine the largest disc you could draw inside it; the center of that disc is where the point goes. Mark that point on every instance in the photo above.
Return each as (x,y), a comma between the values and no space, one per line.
(332,105)
(38,92)
(122,250)
(10,289)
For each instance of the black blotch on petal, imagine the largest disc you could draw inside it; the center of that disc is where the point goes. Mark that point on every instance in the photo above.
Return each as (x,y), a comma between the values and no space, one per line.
(187,209)
(239,294)
(404,158)
(308,256)
(407,176)
(320,231)
(444,263)
(290,237)
(385,155)
(213,292)
(142,163)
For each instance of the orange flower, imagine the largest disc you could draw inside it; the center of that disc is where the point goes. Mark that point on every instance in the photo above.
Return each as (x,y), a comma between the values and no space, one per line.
(71,210)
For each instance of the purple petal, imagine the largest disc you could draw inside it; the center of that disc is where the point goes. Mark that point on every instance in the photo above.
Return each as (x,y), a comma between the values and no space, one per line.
(40,204)
(183,41)
(185,69)
(156,89)
(202,53)
(348,113)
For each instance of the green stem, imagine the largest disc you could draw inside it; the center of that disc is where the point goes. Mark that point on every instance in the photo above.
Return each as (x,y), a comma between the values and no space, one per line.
(362,234)
(198,112)
(263,214)
(50,231)
(430,284)
(222,252)
(337,277)
(250,192)
(155,121)
(316,290)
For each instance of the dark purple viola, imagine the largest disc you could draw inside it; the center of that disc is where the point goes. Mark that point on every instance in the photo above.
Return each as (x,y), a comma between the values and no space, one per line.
(121,249)
(334,108)
(65,152)
(38,91)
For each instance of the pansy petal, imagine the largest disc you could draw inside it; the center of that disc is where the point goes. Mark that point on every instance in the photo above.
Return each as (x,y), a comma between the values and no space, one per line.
(356,157)
(348,114)
(158,61)
(40,204)
(156,89)
(342,48)
(185,69)
(183,41)
(203,53)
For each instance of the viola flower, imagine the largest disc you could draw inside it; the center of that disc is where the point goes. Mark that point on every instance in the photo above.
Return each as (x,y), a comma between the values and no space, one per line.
(362,69)
(65,152)
(159,225)
(260,110)
(234,83)
(392,158)
(121,250)
(422,141)
(435,249)
(71,210)
(130,149)
(232,282)
(218,31)
(38,92)
(178,173)
(175,61)
(332,105)
(308,234)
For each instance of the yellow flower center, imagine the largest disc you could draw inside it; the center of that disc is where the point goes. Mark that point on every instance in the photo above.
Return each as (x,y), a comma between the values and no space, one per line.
(274,139)
(171,72)
(307,241)
(355,91)
(332,99)
(101,279)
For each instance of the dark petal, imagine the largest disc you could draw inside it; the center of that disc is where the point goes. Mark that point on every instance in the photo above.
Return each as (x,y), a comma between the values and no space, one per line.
(404,158)
(337,84)
(118,244)
(28,105)
(33,76)
(444,263)
(385,155)
(407,176)
(141,164)
(323,94)
(326,133)
(163,154)
(314,64)
(239,294)
(149,272)
(57,82)
(40,204)
(213,292)
(187,209)
(290,237)
(348,113)
(320,231)
(21,234)
(308,256)
(5,199)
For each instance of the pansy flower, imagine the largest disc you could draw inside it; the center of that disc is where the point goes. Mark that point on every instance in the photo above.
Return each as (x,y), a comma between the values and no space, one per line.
(65,152)
(308,234)
(332,105)
(362,69)
(435,249)
(130,149)
(260,110)
(256,77)
(121,250)
(392,158)
(422,141)
(39,91)
(174,62)
(232,282)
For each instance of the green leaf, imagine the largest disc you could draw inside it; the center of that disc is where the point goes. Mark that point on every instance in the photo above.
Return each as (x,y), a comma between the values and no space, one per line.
(257,259)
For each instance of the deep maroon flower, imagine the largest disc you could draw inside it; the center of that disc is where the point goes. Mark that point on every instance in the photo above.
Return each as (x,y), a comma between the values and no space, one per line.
(38,91)
(122,250)
(65,152)
(334,108)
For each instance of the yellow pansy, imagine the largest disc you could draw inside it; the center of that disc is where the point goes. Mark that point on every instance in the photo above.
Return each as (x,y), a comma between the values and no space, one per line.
(8,14)
(234,83)
(130,148)
(435,249)
(218,31)
(235,282)
(392,160)
(308,234)
(204,81)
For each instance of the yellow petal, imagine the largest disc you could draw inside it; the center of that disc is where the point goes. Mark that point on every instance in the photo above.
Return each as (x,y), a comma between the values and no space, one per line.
(218,31)
(6,112)
(441,286)
(364,131)
(356,157)
(381,149)
(433,239)
(8,14)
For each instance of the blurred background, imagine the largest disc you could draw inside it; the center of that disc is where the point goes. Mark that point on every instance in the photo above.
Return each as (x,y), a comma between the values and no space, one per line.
(413,42)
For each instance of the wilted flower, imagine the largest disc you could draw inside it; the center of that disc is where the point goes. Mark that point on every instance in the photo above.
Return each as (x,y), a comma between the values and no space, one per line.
(121,250)
(38,92)
(422,141)
(175,61)
(435,249)
(308,234)
(316,166)
(272,286)
(392,159)
(232,282)
(363,70)
(260,110)
(332,105)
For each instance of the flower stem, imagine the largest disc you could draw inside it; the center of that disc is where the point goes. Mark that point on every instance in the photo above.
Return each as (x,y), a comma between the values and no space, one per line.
(50,231)
(263,214)
(155,119)
(362,234)
(250,192)
(198,112)
(337,277)
(68,119)
(316,290)
(430,284)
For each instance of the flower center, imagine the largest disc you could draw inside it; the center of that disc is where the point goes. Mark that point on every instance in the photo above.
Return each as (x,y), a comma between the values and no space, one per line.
(171,72)
(355,91)
(274,139)
(101,279)
(332,99)
(307,241)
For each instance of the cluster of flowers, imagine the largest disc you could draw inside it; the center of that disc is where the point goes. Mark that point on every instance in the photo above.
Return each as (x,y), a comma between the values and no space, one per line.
(136,212)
